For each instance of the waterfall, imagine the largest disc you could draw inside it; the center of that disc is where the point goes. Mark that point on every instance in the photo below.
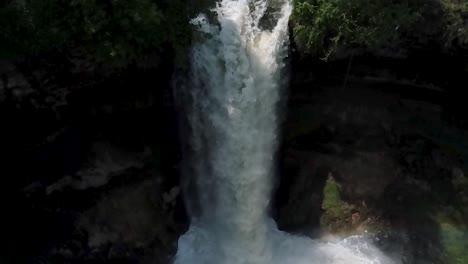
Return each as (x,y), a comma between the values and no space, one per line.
(232,112)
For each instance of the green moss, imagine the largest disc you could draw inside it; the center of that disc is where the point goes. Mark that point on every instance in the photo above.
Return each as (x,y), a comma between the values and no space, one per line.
(332,202)
(336,211)
(455,242)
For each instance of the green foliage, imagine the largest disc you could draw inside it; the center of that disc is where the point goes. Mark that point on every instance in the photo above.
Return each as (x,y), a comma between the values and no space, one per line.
(335,27)
(13,30)
(332,202)
(121,32)
(336,210)
(456,23)
(114,31)
(454,240)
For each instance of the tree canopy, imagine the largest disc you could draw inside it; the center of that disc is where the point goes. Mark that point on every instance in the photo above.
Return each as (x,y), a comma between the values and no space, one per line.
(120,31)
(110,30)
(330,28)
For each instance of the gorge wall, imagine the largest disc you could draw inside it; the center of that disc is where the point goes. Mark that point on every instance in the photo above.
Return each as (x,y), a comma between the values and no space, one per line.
(90,158)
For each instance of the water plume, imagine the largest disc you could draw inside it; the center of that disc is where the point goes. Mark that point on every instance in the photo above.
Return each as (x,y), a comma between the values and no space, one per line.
(234,94)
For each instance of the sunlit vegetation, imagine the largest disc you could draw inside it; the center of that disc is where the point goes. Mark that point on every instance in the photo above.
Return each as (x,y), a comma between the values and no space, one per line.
(124,31)
(335,28)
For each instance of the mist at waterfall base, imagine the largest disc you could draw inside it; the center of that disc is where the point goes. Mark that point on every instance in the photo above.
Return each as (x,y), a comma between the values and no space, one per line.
(233,99)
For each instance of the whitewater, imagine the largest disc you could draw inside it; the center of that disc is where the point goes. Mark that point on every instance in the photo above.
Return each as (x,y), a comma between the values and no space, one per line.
(236,81)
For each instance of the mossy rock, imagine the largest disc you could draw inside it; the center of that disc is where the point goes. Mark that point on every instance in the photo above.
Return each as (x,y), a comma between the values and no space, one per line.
(336,211)
(455,242)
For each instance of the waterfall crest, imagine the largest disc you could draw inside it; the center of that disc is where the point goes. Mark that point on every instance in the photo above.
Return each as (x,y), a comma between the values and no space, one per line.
(232,112)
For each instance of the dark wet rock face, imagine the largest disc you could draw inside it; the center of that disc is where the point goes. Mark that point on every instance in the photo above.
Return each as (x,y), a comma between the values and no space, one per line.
(89,167)
(91,160)
(392,158)
(128,222)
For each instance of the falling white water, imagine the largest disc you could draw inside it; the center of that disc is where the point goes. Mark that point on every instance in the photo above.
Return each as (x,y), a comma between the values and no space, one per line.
(234,95)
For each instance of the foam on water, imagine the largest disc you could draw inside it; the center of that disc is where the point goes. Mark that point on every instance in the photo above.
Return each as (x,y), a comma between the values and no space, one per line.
(233,101)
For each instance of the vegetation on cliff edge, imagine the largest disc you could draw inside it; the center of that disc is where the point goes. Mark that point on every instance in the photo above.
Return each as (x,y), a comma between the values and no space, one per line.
(336,28)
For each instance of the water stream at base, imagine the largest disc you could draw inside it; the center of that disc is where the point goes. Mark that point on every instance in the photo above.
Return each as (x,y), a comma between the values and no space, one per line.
(233,100)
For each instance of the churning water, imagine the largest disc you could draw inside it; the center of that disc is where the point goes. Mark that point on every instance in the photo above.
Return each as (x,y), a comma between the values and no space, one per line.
(233,100)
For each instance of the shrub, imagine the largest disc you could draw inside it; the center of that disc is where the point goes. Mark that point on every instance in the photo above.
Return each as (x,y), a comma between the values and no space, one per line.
(334,28)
